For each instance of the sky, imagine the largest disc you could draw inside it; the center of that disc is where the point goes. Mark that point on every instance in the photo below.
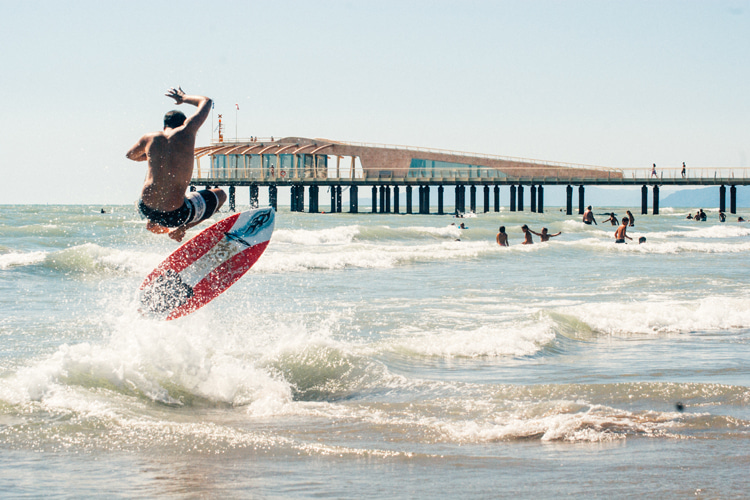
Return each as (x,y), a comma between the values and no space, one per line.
(620,84)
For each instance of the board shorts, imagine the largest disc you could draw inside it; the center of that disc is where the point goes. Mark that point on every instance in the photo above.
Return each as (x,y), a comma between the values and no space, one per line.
(198,206)
(621,240)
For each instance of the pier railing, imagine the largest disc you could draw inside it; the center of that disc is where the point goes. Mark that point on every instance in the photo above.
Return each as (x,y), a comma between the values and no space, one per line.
(447,175)
(474,175)
(697,176)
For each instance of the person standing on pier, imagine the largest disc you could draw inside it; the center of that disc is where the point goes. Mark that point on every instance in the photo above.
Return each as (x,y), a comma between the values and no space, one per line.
(170,154)
(683,170)
(653,171)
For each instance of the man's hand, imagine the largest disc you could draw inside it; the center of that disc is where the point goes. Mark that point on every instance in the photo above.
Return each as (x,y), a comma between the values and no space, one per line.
(177,94)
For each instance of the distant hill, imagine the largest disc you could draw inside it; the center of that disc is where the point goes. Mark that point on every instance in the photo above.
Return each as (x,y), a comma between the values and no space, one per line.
(704,197)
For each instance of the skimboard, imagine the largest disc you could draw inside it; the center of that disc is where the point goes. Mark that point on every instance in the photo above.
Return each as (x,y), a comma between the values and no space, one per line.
(206,265)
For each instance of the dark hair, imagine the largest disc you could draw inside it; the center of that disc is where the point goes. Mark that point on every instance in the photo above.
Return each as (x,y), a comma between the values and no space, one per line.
(502,229)
(174,119)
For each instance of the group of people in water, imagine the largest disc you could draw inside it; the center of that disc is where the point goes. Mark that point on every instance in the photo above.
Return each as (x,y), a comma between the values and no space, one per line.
(502,236)
(700,216)
(588,218)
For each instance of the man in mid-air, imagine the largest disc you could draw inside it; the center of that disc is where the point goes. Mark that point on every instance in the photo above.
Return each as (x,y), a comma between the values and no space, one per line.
(170,155)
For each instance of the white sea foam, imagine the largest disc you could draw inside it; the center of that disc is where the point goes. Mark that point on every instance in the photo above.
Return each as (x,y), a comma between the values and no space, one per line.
(701,231)
(331,236)
(342,235)
(365,256)
(21,259)
(559,421)
(659,315)
(171,363)
(450,231)
(92,258)
(658,245)
(576,226)
(503,338)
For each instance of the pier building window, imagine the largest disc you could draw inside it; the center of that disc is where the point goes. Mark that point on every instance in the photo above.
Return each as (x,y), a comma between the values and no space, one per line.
(286,167)
(307,166)
(218,166)
(235,164)
(322,167)
(253,165)
(269,166)
(443,169)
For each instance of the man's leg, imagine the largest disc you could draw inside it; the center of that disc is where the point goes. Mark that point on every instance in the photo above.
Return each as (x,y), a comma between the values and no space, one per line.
(221,196)
(178,233)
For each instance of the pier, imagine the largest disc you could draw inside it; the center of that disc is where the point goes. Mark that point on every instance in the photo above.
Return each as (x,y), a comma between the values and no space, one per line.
(400,177)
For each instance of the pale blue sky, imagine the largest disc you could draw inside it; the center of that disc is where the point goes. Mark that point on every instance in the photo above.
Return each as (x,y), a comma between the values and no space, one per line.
(618,84)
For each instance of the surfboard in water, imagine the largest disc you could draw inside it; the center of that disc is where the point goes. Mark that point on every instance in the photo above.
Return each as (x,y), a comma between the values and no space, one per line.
(206,265)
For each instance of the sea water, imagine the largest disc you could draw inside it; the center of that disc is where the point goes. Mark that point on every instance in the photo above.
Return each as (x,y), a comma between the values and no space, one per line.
(377,355)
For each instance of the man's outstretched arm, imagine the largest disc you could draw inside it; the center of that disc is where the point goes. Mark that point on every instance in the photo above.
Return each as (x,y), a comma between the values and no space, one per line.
(194,122)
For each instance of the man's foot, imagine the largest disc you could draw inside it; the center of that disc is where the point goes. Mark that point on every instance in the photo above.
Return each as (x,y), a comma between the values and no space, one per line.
(178,234)
(156,228)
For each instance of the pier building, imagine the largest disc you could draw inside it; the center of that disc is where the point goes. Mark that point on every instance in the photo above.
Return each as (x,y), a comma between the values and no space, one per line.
(391,172)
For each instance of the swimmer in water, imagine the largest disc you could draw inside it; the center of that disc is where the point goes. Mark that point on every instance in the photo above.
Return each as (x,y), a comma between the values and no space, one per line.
(502,237)
(588,216)
(620,233)
(612,219)
(544,235)
(528,240)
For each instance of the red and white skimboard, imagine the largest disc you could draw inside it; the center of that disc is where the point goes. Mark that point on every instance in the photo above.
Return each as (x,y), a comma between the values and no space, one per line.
(205,266)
